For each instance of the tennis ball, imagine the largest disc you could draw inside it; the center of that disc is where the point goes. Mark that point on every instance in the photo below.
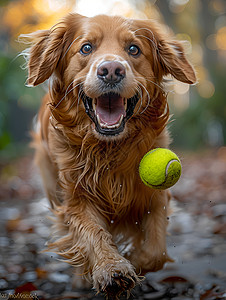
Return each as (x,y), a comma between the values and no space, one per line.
(160,168)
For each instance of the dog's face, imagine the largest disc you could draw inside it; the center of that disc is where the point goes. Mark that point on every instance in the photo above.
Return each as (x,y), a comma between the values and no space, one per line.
(114,65)
(107,54)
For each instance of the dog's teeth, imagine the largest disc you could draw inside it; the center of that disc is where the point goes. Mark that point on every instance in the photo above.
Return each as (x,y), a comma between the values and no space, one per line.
(125,103)
(119,122)
(112,126)
(104,125)
(94,106)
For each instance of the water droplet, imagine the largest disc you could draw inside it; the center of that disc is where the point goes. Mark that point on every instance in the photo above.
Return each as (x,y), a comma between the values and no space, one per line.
(136,223)
(112,221)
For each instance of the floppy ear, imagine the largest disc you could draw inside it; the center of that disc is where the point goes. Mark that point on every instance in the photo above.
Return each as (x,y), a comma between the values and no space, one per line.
(169,56)
(48,48)
(44,54)
(173,61)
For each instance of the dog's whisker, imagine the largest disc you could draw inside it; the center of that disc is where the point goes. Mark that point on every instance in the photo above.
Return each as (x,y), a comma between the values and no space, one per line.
(149,30)
(141,97)
(139,90)
(80,36)
(153,43)
(72,104)
(79,94)
(148,95)
(65,95)
(76,79)
(156,84)
(149,100)
(78,97)
(67,92)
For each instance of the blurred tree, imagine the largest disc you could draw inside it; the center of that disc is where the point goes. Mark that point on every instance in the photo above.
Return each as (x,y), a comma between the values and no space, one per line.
(202,22)
(200,111)
(18,104)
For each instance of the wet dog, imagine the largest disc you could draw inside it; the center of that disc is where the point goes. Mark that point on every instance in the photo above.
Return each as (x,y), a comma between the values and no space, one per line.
(106,108)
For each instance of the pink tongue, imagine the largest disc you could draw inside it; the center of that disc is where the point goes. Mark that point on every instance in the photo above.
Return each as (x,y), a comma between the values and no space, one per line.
(110,108)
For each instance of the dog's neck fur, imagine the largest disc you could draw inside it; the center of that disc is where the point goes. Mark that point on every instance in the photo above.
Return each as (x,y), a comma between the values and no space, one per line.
(94,167)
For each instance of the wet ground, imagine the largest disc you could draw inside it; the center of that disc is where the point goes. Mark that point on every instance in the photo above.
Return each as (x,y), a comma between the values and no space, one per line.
(197,238)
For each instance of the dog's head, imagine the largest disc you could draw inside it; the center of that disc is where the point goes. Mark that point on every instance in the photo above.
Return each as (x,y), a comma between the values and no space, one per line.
(115,65)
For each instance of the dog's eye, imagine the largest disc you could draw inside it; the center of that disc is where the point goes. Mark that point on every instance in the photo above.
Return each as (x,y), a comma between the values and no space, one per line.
(86,49)
(134,50)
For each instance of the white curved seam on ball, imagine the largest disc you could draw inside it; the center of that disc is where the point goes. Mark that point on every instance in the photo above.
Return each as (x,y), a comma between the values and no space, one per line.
(168,165)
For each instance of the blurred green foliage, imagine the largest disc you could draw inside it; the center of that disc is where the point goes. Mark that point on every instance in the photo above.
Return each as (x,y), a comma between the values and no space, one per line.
(18,105)
(203,123)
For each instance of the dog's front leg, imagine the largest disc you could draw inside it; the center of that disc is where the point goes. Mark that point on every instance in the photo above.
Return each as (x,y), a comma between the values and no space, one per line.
(111,273)
(152,253)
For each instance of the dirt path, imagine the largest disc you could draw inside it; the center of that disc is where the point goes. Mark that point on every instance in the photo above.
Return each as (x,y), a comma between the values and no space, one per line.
(197,240)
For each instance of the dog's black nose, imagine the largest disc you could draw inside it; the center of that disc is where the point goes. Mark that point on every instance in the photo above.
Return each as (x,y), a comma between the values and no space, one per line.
(111,71)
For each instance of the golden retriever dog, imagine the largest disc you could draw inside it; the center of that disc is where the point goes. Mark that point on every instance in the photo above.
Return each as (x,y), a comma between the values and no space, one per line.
(105,109)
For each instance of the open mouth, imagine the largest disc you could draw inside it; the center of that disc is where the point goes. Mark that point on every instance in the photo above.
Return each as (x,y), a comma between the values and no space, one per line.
(109,112)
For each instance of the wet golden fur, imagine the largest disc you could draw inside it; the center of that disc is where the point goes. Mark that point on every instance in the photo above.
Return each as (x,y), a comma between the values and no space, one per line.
(91,181)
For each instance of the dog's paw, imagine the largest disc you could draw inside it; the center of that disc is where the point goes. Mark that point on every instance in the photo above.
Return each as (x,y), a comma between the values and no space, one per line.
(119,284)
(113,279)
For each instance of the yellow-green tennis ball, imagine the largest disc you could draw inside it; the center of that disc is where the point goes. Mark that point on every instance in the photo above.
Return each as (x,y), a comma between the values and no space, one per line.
(160,169)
